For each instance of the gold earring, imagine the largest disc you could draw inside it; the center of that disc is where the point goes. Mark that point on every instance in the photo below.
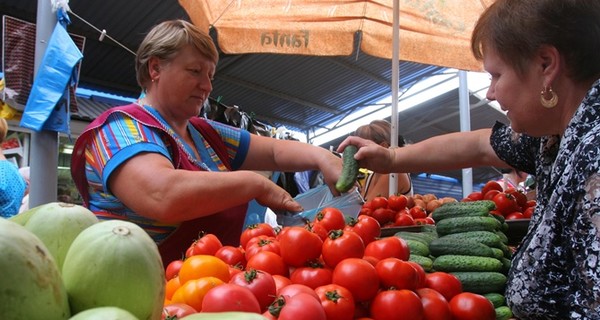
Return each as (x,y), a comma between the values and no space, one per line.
(548,103)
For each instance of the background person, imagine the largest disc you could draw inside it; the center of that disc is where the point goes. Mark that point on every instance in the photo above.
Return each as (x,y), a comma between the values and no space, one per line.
(543,60)
(378,184)
(12,185)
(159,165)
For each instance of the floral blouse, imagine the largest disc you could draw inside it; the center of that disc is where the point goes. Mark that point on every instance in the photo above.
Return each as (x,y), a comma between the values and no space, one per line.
(555,271)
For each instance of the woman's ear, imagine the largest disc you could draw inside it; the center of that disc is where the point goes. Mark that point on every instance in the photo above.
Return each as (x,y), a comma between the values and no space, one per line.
(153,67)
(549,61)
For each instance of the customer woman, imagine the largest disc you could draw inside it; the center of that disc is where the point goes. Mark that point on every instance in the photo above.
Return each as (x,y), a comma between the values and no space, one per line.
(377,184)
(157,164)
(543,60)
(12,185)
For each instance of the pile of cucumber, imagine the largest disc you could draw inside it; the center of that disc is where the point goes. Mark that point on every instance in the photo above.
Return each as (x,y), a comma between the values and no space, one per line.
(470,243)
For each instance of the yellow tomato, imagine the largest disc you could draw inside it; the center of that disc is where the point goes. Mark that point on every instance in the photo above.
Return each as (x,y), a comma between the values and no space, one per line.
(172,286)
(192,292)
(198,266)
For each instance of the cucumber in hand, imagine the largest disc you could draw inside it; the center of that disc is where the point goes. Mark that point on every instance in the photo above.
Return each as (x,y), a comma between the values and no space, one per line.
(349,170)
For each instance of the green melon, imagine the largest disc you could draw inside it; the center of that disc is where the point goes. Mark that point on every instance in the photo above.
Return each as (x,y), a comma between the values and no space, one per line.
(30,284)
(104,313)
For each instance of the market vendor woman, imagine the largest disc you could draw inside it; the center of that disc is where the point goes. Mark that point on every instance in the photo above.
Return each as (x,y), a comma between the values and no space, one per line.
(157,164)
(544,61)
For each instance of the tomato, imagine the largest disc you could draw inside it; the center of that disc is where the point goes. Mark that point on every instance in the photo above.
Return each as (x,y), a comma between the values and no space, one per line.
(268,261)
(435,306)
(467,306)
(233,256)
(207,243)
(171,286)
(519,195)
(295,289)
(234,270)
(420,274)
(358,276)
(173,268)
(300,306)
(340,245)
(390,304)
(397,202)
(515,215)
(505,203)
(383,215)
(281,281)
(528,212)
(196,267)
(331,218)
(261,284)
(177,311)
(418,212)
(397,274)
(379,202)
(318,229)
(337,302)
(474,196)
(192,292)
(230,297)
(531,203)
(388,247)
(368,228)
(299,246)
(260,243)
(312,276)
(445,283)
(254,230)
(365,211)
(404,219)
(491,185)
(491,194)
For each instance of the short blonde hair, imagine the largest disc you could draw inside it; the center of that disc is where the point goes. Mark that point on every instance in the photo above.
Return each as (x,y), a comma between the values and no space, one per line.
(165,40)
(3,129)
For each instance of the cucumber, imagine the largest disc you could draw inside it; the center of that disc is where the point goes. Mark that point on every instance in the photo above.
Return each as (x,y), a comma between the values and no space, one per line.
(467,247)
(490,239)
(506,264)
(497,299)
(488,204)
(454,262)
(463,224)
(502,236)
(349,170)
(445,212)
(425,262)
(498,253)
(481,282)
(503,313)
(424,237)
(417,247)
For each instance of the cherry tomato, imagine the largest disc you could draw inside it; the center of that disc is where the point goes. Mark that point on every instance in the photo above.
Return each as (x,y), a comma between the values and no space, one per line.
(254,230)
(491,185)
(230,297)
(505,203)
(388,247)
(340,245)
(397,202)
(233,256)
(404,219)
(207,243)
(299,246)
(445,283)
(358,276)
(173,268)
(368,228)
(269,262)
(418,212)
(379,202)
(331,218)
(196,267)
(337,302)
(261,284)
(260,243)
(467,305)
(177,311)
(312,276)
(390,304)
(435,306)
(397,274)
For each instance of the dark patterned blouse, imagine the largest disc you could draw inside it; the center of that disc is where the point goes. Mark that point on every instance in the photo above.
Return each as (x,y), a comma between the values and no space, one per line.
(555,272)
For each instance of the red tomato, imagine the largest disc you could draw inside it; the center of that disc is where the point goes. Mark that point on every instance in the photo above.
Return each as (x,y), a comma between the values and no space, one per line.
(207,243)
(299,246)
(233,256)
(445,283)
(261,284)
(268,261)
(281,281)
(528,212)
(317,228)
(340,245)
(397,274)
(397,202)
(254,230)
(177,311)
(173,268)
(388,247)
(467,306)
(368,228)
(358,276)
(365,211)
(505,203)
(337,302)
(515,215)
(392,304)
(531,203)
(300,306)
(262,243)
(435,306)
(312,276)
(420,274)
(404,219)
(519,195)
(230,297)
(295,289)
(379,202)
(491,194)
(491,185)
(474,196)
(331,218)
(418,212)
(383,215)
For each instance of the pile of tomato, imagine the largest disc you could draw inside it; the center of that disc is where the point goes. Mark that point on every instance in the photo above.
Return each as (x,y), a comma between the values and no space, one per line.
(326,269)
(510,203)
